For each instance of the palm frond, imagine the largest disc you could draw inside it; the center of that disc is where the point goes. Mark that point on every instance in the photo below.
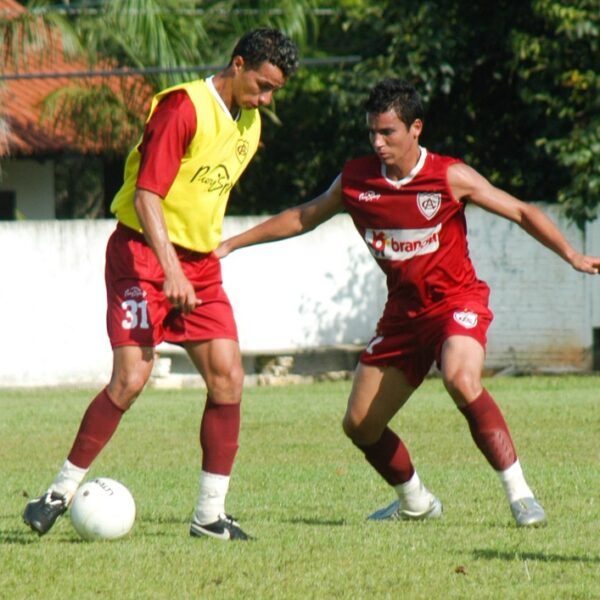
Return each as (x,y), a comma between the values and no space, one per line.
(94,116)
(20,35)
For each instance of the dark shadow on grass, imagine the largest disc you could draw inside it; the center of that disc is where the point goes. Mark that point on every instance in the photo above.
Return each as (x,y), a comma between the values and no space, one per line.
(326,522)
(24,537)
(541,556)
(17,537)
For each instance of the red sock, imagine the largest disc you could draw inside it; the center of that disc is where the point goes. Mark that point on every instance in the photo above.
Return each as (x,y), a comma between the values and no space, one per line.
(490,431)
(389,457)
(219,432)
(97,426)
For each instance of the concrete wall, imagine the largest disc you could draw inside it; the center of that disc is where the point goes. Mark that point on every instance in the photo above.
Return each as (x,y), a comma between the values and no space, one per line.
(321,289)
(52,302)
(542,306)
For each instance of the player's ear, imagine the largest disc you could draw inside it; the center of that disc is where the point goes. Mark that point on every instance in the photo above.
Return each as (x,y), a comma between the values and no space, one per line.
(237,62)
(416,128)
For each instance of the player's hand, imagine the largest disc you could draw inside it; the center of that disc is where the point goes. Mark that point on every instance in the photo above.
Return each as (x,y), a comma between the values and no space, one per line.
(586,264)
(180,293)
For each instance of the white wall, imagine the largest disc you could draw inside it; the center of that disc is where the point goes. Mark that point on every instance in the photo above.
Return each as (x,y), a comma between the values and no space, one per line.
(33,183)
(541,304)
(52,302)
(320,289)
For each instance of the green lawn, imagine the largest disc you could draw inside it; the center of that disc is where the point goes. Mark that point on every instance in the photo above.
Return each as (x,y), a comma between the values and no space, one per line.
(304,491)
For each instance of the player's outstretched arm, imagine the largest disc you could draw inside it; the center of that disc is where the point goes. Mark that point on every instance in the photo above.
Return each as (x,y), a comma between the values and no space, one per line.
(467,183)
(288,223)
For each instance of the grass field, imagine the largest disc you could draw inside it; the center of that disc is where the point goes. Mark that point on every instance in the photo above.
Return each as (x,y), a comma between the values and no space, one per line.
(304,491)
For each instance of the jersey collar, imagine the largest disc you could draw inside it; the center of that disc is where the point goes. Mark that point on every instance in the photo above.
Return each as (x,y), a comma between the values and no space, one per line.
(413,172)
(213,91)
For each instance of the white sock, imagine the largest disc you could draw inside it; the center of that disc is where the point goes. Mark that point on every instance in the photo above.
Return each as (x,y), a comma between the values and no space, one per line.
(67,481)
(211,497)
(413,495)
(513,482)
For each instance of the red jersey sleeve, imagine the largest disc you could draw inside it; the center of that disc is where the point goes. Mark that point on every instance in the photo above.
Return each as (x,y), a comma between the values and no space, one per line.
(166,137)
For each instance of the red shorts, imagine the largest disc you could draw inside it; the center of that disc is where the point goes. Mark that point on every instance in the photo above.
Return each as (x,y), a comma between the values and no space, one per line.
(138,312)
(414,343)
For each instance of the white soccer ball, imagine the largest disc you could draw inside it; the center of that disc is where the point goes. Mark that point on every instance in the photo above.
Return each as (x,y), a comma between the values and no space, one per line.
(102,509)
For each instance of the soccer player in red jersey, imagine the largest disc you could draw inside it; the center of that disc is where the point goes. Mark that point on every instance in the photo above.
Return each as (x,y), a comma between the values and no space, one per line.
(163,279)
(408,205)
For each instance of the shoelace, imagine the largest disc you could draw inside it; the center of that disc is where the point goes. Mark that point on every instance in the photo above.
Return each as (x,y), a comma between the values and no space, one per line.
(51,502)
(229,519)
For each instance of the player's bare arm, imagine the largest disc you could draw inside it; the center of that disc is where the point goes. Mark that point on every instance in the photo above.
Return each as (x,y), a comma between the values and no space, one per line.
(466,182)
(177,288)
(290,222)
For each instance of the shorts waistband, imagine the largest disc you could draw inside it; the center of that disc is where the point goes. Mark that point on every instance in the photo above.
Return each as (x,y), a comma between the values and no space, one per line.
(183,253)
(130,233)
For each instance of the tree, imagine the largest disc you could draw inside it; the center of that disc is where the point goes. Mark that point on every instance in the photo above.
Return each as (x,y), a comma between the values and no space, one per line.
(512,88)
(169,34)
(558,66)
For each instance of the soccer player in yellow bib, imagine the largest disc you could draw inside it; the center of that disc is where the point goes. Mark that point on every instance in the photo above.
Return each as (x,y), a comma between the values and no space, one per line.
(163,279)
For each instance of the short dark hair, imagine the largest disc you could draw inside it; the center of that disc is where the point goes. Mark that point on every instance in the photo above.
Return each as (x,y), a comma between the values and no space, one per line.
(270,45)
(398,95)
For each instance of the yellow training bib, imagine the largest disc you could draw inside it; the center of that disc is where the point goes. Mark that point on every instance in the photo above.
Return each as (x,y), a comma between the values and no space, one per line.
(219,152)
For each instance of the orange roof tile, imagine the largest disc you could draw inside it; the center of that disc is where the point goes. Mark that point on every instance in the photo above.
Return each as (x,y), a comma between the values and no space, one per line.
(21,130)
(9,8)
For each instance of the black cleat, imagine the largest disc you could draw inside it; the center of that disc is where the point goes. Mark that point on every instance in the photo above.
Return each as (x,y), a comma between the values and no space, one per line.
(225,528)
(41,513)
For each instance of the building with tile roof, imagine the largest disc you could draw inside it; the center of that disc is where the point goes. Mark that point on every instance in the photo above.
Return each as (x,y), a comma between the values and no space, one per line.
(30,140)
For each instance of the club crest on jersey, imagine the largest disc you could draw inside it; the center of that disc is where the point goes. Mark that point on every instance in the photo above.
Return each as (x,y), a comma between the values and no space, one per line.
(241,149)
(466,318)
(368,196)
(429,203)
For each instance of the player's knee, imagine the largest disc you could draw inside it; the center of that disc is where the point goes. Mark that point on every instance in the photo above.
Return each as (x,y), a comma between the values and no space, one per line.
(236,381)
(226,383)
(126,386)
(463,385)
(348,426)
(358,431)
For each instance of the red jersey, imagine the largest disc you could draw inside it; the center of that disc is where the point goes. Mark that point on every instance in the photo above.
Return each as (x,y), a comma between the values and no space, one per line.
(416,231)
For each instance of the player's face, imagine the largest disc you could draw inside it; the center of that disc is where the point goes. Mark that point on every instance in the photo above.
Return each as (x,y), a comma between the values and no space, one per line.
(255,87)
(393,142)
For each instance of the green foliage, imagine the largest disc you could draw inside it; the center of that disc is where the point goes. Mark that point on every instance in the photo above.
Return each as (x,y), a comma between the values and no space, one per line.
(304,491)
(105,119)
(458,55)
(559,80)
(25,32)
(144,33)
(510,87)
(169,34)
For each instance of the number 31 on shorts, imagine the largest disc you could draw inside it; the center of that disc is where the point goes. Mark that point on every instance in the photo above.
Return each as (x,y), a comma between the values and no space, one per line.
(136,314)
